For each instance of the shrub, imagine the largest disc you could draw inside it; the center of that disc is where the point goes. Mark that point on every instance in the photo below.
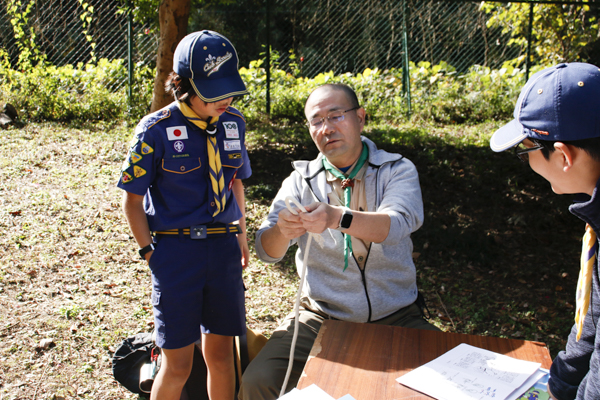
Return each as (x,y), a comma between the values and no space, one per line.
(47,92)
(438,92)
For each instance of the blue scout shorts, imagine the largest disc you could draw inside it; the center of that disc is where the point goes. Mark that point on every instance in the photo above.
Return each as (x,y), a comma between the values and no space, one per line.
(196,285)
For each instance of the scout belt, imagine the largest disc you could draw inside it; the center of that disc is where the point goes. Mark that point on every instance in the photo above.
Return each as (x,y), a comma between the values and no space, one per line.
(202,231)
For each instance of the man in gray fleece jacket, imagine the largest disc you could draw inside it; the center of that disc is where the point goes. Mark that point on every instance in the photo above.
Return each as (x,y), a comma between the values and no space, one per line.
(351,190)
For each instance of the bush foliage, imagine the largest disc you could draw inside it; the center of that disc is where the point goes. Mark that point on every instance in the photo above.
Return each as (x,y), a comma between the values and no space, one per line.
(50,93)
(437,92)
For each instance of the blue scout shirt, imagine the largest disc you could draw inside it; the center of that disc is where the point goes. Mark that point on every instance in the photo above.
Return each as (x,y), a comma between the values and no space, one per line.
(168,165)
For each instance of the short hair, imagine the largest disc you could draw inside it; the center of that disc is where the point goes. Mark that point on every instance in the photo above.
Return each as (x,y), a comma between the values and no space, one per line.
(180,88)
(348,91)
(590,146)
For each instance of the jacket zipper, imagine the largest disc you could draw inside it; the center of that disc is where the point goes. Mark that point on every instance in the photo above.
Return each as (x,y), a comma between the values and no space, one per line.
(362,271)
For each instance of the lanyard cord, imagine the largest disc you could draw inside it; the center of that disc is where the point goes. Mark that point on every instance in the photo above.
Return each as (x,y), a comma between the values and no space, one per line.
(299,294)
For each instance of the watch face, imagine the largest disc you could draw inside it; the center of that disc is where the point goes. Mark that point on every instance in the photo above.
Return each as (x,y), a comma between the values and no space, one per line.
(346,221)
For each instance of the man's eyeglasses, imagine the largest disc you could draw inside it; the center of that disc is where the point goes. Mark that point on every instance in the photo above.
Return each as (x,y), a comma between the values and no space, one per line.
(334,117)
(522,151)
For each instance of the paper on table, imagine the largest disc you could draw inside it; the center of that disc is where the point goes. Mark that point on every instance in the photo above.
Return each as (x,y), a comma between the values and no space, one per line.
(312,392)
(293,394)
(468,372)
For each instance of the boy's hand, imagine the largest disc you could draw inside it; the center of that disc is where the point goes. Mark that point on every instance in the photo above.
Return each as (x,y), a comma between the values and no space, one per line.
(243,242)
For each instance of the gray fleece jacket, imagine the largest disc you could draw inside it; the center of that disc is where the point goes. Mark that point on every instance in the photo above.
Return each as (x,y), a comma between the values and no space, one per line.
(388,281)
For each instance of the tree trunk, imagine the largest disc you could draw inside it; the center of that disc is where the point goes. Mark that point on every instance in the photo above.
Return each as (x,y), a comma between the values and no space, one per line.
(173,16)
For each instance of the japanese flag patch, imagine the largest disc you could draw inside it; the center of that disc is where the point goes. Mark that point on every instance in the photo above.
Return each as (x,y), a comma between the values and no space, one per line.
(177,133)
(232,145)
(231,130)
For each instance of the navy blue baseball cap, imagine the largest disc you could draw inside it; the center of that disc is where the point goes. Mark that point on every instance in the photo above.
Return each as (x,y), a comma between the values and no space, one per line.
(210,61)
(560,103)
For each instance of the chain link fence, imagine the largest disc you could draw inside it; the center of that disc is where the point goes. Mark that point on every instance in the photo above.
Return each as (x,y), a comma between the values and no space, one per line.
(353,36)
(310,36)
(74,32)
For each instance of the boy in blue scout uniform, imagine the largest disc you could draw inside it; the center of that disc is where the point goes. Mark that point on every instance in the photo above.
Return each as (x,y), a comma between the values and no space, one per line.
(184,202)
(556,129)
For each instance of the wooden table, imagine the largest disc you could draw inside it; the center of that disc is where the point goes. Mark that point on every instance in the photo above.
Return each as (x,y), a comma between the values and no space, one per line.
(365,359)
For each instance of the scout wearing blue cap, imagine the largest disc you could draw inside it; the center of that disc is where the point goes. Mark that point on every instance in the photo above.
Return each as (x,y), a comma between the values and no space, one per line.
(560,103)
(210,61)
(184,202)
(556,129)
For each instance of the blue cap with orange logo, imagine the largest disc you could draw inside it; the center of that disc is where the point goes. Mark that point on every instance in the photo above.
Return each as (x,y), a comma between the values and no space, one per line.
(560,103)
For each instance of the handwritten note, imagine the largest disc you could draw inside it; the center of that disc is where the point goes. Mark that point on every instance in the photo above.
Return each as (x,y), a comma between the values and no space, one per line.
(468,372)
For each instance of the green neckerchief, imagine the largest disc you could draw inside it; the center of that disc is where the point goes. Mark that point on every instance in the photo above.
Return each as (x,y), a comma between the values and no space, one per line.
(347,185)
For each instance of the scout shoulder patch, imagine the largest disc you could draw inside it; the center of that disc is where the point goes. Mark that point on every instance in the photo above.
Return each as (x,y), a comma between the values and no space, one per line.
(135,157)
(146,149)
(231,130)
(126,178)
(138,171)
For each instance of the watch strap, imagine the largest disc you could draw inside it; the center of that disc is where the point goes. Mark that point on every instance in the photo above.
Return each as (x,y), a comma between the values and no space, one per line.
(345,220)
(145,250)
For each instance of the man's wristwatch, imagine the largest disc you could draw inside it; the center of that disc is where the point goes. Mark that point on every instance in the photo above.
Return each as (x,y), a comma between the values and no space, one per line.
(345,220)
(145,250)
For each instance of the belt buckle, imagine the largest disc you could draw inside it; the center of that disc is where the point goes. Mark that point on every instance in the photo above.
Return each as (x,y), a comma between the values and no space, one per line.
(198,232)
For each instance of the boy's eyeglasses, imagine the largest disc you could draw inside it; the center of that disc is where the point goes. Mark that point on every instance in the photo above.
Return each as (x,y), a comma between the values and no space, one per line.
(334,117)
(523,152)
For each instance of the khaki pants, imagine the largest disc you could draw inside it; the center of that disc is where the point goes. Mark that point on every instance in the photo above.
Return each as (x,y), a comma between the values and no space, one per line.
(264,376)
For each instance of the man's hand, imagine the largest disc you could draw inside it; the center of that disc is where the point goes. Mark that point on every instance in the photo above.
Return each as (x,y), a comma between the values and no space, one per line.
(275,240)
(367,226)
(320,216)
(290,226)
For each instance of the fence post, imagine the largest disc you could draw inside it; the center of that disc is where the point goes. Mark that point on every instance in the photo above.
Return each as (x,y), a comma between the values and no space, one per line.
(529,39)
(268,23)
(129,51)
(405,67)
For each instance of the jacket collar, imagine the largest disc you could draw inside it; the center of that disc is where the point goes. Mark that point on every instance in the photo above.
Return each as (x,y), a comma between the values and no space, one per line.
(588,208)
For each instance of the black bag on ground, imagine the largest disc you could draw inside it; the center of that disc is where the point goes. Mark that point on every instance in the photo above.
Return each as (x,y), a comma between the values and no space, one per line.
(137,350)
(128,359)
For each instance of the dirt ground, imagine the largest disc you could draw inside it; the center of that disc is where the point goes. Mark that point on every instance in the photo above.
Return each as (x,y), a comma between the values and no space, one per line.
(72,286)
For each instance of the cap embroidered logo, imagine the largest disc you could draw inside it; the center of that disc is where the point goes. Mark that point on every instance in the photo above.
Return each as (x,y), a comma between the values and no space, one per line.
(214,64)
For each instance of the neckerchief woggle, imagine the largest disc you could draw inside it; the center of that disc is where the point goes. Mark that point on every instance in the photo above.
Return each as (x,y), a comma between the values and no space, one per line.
(214,157)
(347,185)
